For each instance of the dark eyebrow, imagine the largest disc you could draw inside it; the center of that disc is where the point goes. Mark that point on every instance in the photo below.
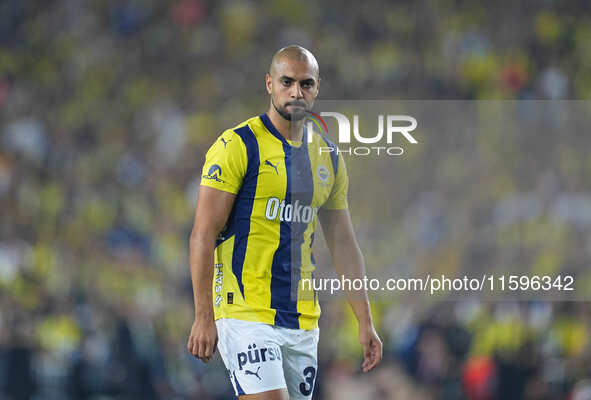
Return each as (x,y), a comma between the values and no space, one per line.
(310,81)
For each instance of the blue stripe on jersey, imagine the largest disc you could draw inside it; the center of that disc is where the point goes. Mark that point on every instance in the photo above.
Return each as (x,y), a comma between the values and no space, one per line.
(244,202)
(302,192)
(313,262)
(229,229)
(287,260)
(271,128)
(334,157)
(285,313)
(312,244)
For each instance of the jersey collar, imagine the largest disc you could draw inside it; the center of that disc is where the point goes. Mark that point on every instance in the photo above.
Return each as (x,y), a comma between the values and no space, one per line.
(271,128)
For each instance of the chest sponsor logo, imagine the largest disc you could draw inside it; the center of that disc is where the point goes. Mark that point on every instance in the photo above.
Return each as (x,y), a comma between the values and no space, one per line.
(287,212)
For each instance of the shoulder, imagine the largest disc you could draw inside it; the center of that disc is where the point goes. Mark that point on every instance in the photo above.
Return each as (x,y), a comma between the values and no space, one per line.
(243,131)
(239,134)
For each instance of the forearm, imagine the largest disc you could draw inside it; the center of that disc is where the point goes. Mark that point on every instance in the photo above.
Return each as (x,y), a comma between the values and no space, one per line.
(349,262)
(201,260)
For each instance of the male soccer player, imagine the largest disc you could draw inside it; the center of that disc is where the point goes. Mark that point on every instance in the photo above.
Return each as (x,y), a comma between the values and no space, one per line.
(263,186)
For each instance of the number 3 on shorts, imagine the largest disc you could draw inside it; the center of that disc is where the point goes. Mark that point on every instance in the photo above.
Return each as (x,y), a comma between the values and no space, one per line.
(307,386)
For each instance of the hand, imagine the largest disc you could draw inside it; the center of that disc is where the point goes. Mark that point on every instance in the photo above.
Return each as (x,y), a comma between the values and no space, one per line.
(372,347)
(203,339)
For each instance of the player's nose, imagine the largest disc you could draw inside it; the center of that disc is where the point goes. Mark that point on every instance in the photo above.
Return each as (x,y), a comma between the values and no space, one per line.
(296,91)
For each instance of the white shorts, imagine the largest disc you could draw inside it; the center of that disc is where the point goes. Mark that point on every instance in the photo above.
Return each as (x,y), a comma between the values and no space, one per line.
(261,357)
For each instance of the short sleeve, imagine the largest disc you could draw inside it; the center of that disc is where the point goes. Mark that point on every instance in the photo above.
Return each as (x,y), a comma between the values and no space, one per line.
(338,195)
(225,163)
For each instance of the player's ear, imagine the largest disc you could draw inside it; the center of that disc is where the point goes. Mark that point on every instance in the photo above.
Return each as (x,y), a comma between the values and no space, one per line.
(317,85)
(268,82)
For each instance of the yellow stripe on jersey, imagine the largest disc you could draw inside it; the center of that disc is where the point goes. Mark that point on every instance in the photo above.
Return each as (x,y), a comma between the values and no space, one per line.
(265,248)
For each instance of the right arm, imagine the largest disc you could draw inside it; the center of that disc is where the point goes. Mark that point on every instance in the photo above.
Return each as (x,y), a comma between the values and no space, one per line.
(212,211)
(223,171)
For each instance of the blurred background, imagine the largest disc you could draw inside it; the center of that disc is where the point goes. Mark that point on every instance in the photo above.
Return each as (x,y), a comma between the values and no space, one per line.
(107,109)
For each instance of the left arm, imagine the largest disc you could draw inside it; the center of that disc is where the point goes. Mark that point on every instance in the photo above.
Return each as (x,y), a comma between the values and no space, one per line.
(348,262)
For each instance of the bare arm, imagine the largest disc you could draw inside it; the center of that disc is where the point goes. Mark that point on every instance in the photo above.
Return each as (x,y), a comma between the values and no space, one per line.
(211,214)
(348,261)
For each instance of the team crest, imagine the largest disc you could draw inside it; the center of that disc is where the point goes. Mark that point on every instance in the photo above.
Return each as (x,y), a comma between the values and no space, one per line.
(322,173)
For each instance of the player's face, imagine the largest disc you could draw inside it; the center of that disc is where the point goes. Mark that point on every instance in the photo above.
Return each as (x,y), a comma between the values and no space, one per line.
(293,87)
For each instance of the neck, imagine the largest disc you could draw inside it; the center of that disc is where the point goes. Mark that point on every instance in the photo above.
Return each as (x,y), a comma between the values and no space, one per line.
(290,130)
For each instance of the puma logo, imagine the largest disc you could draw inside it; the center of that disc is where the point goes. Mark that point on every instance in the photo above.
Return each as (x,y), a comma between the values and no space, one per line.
(247,372)
(225,142)
(267,162)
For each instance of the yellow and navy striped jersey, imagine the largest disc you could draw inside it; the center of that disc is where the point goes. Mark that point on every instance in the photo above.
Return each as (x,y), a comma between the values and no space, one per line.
(265,248)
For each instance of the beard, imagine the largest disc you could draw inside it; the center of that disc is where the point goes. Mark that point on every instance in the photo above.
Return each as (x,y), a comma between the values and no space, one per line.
(295,115)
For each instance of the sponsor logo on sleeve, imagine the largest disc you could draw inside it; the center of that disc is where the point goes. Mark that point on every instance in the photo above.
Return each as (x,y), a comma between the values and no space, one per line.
(214,173)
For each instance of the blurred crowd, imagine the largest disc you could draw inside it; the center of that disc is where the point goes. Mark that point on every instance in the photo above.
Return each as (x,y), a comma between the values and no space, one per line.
(107,109)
